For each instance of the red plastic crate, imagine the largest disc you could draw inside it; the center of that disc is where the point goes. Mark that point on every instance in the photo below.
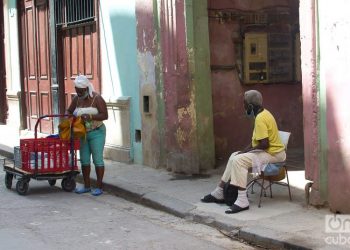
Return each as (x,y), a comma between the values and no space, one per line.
(53,155)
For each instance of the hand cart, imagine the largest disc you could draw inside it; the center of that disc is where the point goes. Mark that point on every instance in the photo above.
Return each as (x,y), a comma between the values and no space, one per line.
(43,159)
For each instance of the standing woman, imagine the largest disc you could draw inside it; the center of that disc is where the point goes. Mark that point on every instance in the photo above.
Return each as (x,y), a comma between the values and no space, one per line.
(93,110)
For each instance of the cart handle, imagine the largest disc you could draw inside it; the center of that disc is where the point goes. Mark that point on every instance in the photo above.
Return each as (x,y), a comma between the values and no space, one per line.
(47,116)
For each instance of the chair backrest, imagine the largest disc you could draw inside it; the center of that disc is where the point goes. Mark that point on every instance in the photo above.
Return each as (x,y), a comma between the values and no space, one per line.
(277,171)
(284,137)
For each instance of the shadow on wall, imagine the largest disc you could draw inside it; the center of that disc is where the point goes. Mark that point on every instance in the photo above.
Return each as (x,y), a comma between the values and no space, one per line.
(233,130)
(284,100)
(338,156)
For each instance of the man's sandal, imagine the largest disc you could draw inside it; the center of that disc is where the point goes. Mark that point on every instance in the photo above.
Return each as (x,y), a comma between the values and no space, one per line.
(236,209)
(211,199)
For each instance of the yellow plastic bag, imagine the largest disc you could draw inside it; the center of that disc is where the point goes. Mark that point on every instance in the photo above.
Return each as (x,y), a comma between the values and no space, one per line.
(79,129)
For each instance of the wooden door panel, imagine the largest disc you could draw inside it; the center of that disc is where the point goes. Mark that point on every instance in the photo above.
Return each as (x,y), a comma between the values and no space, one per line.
(44,82)
(30,43)
(43,44)
(30,78)
(88,46)
(79,53)
(72,37)
(33,103)
(45,101)
(80,48)
(36,62)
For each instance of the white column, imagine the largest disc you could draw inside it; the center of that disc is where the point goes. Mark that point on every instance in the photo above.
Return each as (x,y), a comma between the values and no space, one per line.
(11,46)
(13,77)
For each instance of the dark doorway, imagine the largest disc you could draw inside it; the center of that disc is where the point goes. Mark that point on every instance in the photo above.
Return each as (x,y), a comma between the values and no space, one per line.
(255,45)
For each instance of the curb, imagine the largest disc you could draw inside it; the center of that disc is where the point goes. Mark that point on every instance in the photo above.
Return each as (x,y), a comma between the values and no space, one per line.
(6,152)
(150,198)
(187,211)
(179,208)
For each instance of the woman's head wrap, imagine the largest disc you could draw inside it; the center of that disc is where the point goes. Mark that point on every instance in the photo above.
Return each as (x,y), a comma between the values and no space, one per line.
(253,97)
(82,82)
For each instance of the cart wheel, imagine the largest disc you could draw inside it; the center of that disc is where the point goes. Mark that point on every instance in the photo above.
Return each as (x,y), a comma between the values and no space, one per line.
(8,180)
(68,184)
(52,182)
(22,187)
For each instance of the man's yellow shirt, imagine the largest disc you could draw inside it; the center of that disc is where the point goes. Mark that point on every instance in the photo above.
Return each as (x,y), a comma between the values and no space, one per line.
(266,127)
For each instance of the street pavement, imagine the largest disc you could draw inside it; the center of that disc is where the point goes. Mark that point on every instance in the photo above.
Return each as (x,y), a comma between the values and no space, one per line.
(50,219)
(278,223)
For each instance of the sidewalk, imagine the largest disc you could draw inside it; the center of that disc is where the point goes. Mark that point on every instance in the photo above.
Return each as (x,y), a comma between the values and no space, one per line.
(279,223)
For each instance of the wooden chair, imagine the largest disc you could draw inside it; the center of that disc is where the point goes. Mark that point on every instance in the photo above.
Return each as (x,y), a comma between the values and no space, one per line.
(274,173)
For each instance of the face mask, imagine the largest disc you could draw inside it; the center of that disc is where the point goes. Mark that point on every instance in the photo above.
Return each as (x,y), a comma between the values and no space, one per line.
(250,112)
(82,97)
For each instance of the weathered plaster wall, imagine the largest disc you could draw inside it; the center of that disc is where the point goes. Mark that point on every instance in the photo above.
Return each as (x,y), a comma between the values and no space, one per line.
(310,96)
(325,57)
(150,83)
(199,61)
(180,114)
(334,25)
(283,100)
(187,94)
(119,64)
(173,59)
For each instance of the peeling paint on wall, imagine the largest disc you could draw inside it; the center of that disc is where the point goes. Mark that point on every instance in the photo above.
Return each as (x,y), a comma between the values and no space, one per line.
(181,137)
(150,81)
(186,116)
(146,62)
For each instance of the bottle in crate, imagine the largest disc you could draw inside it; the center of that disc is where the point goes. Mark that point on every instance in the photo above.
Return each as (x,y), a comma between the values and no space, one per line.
(17,157)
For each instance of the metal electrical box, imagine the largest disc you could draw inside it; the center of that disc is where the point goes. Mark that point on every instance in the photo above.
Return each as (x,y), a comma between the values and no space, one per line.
(255,58)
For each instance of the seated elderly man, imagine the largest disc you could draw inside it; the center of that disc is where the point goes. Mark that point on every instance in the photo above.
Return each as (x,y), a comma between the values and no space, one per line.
(266,147)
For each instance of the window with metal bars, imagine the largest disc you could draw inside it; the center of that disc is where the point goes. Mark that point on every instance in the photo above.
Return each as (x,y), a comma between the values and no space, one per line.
(69,12)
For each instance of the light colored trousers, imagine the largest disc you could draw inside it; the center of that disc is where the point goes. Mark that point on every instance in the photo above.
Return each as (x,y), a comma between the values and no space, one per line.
(238,165)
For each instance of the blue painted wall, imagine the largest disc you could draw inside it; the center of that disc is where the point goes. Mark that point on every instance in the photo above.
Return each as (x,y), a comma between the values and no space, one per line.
(118,32)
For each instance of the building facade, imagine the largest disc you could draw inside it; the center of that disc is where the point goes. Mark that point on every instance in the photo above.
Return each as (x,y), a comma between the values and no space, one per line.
(324,62)
(173,73)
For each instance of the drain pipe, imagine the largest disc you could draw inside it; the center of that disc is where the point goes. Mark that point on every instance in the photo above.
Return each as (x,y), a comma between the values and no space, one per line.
(308,187)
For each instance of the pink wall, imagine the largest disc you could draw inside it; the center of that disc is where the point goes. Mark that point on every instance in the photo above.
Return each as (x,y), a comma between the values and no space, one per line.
(310,97)
(326,101)
(180,123)
(338,117)
(334,67)
(231,128)
(147,53)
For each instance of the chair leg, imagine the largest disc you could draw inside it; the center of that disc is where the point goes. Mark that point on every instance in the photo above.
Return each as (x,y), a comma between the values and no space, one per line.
(270,184)
(261,191)
(251,186)
(252,190)
(290,194)
(252,183)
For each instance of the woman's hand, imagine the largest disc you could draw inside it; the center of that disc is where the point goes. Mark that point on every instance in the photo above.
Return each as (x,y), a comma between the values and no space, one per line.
(86,117)
(75,113)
